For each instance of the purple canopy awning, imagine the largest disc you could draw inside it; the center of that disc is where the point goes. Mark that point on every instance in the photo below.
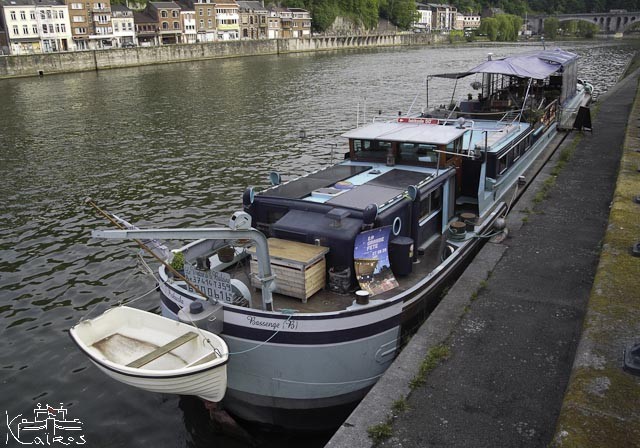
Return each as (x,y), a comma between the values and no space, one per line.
(536,65)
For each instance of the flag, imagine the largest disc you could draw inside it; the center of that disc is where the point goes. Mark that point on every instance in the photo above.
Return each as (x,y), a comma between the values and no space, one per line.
(156,246)
(51,410)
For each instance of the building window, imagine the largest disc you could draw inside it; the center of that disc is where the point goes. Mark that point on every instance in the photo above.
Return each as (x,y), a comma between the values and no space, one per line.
(78,19)
(61,14)
(15,30)
(174,14)
(23,15)
(164,14)
(209,12)
(32,14)
(44,29)
(13,15)
(165,25)
(200,11)
(209,23)
(176,26)
(57,27)
(34,28)
(63,28)
(51,28)
(48,14)
(42,15)
(76,5)
(25,29)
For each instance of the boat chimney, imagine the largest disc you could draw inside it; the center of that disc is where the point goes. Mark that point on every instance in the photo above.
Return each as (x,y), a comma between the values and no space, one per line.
(336,215)
(489,56)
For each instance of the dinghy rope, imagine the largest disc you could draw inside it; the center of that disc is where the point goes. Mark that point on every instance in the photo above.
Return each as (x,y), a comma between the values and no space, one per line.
(288,311)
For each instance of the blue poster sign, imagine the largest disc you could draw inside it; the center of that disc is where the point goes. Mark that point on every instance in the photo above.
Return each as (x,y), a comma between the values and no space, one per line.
(371,259)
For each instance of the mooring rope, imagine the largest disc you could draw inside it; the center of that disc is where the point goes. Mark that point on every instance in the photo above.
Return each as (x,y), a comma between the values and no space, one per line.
(283,311)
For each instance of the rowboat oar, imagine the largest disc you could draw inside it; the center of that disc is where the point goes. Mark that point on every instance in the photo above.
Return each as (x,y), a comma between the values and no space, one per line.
(146,248)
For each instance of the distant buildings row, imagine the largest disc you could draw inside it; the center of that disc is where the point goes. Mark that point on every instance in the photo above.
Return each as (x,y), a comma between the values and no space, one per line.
(441,17)
(41,26)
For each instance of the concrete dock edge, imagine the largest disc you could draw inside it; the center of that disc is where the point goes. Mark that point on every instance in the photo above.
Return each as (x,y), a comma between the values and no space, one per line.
(602,403)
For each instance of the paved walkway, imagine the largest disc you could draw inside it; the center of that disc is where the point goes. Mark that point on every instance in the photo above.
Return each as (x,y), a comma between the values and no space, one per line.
(511,338)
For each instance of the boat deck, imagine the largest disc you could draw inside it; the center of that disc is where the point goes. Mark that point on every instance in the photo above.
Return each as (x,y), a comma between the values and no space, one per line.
(326,300)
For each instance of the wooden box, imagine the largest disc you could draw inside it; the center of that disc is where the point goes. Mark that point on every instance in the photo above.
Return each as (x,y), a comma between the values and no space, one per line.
(300,268)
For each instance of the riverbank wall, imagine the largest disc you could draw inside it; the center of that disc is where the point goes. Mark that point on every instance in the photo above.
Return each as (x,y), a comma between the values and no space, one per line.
(55,63)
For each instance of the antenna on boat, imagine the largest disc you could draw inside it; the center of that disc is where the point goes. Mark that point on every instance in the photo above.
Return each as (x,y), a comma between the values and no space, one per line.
(426,81)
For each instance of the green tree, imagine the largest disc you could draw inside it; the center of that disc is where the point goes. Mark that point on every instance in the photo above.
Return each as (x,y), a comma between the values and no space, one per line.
(505,28)
(551,25)
(586,29)
(324,14)
(571,28)
(489,26)
(399,12)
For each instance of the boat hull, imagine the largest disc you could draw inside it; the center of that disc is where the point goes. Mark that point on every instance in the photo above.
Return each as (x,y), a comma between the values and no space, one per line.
(317,367)
(209,384)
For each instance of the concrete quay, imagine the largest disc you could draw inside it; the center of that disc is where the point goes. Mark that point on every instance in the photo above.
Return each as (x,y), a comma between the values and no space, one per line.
(526,348)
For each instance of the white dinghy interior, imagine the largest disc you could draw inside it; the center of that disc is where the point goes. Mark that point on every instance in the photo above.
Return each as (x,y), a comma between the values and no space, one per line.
(148,351)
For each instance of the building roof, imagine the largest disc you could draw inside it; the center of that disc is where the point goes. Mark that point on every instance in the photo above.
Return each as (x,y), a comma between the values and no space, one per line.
(165,5)
(141,17)
(251,5)
(440,5)
(9,3)
(119,7)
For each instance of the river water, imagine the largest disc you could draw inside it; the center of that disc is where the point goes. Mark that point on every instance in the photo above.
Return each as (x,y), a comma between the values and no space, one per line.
(164,146)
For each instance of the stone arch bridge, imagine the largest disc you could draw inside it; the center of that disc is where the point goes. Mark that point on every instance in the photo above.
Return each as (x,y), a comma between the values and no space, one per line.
(614,21)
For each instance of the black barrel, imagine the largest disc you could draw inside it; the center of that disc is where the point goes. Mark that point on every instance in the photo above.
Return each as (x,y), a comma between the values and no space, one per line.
(400,254)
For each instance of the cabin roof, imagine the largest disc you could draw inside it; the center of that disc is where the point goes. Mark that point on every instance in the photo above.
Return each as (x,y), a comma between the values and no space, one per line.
(407,132)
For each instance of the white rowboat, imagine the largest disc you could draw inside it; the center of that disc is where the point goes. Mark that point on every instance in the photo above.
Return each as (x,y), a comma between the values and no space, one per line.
(154,353)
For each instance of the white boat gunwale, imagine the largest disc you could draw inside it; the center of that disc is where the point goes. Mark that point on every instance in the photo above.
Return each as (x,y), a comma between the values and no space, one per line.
(203,337)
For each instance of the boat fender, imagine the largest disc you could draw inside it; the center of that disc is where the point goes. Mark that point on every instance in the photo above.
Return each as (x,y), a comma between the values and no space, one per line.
(447,251)
(248,196)
(369,215)
(500,224)
(241,290)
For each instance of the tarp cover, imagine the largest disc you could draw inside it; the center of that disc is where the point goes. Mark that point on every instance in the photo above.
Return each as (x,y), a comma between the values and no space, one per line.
(536,65)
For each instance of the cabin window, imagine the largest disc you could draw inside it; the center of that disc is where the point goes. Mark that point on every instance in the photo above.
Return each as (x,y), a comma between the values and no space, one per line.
(418,152)
(503,164)
(384,147)
(516,152)
(371,149)
(430,204)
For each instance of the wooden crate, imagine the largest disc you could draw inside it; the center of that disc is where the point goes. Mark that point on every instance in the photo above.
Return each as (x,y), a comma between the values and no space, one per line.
(300,269)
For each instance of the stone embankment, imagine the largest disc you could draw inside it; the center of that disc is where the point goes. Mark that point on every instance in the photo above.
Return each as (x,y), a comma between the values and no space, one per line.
(51,63)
